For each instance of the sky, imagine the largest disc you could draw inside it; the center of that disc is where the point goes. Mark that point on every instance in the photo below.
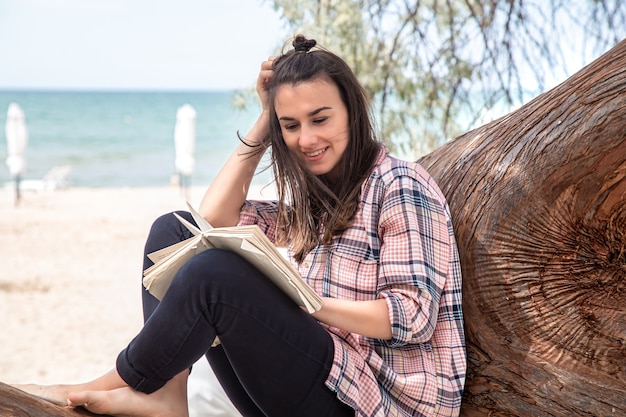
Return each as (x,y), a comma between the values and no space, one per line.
(135,44)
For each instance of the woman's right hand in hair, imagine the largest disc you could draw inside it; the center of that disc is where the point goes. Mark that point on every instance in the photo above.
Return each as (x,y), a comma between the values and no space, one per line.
(263,82)
(221,204)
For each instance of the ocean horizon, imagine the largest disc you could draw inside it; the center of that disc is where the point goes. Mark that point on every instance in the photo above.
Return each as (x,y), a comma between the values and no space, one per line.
(123,138)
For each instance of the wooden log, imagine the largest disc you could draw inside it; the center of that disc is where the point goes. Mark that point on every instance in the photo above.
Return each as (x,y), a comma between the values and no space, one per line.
(538,200)
(17,403)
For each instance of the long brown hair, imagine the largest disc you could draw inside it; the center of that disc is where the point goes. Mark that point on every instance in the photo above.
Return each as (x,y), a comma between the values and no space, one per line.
(311,210)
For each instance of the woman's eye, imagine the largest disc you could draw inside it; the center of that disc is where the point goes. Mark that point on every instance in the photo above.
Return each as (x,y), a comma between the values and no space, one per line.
(290,127)
(320,120)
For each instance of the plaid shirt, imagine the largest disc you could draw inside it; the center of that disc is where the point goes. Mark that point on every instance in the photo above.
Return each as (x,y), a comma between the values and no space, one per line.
(401,247)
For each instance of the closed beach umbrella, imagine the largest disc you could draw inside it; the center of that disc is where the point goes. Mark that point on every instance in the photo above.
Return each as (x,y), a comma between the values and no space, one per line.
(185,145)
(17,140)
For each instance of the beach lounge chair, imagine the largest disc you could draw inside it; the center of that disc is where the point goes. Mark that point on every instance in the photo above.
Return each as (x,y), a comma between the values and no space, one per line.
(55,179)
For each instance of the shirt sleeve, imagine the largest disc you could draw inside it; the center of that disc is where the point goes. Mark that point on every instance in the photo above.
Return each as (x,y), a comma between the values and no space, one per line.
(413,263)
(261,213)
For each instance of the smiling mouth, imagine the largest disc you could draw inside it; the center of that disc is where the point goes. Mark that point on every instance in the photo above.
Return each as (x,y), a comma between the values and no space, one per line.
(315,153)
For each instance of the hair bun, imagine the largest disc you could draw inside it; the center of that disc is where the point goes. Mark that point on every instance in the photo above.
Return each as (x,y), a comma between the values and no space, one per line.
(302,44)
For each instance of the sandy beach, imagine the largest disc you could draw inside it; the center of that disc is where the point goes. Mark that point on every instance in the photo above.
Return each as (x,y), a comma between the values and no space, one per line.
(70,277)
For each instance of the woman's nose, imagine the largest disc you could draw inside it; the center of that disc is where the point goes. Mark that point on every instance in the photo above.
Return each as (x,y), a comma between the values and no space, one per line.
(308,137)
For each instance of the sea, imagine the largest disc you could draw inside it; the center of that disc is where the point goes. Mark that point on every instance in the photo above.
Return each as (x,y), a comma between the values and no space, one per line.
(123,138)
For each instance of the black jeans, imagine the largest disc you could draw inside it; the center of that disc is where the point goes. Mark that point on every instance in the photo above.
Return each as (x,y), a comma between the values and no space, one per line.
(273,359)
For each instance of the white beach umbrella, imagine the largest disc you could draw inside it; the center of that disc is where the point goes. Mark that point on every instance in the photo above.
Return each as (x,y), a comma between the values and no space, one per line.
(185,144)
(17,140)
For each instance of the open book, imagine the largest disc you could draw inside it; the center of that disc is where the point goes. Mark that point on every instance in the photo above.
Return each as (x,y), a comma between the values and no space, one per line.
(248,241)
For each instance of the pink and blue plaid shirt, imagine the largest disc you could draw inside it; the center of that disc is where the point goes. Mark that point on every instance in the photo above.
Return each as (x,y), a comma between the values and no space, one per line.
(401,247)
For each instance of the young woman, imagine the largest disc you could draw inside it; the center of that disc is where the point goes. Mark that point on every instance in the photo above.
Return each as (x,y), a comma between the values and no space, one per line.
(370,233)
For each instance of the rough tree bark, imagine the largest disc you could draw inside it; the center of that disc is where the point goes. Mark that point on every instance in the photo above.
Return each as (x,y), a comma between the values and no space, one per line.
(539,206)
(16,403)
(538,200)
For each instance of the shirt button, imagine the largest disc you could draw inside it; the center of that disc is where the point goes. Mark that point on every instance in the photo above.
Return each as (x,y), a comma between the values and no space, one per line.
(307,264)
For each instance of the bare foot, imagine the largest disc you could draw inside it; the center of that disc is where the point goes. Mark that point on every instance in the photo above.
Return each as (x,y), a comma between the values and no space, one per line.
(56,394)
(169,401)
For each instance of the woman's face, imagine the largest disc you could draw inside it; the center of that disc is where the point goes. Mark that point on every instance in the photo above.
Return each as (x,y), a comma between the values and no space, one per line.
(314,123)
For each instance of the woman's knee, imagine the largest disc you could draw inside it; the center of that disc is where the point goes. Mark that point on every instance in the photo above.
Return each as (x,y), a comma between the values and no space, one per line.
(221,273)
(216,263)
(167,223)
(167,230)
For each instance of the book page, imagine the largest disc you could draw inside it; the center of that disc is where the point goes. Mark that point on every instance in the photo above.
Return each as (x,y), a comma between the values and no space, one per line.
(248,241)
(252,244)
(200,221)
(159,276)
(158,255)
(193,229)
(249,252)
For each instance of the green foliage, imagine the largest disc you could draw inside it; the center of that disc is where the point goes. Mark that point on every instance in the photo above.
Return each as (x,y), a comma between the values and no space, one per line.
(435,68)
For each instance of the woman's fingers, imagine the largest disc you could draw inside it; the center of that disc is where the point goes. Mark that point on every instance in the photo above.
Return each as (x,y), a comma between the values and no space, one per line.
(263,81)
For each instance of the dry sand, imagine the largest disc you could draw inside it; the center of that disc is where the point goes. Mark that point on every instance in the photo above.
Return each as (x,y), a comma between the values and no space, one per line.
(70,278)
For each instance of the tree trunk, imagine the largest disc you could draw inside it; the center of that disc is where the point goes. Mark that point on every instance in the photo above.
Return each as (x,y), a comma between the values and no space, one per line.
(538,201)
